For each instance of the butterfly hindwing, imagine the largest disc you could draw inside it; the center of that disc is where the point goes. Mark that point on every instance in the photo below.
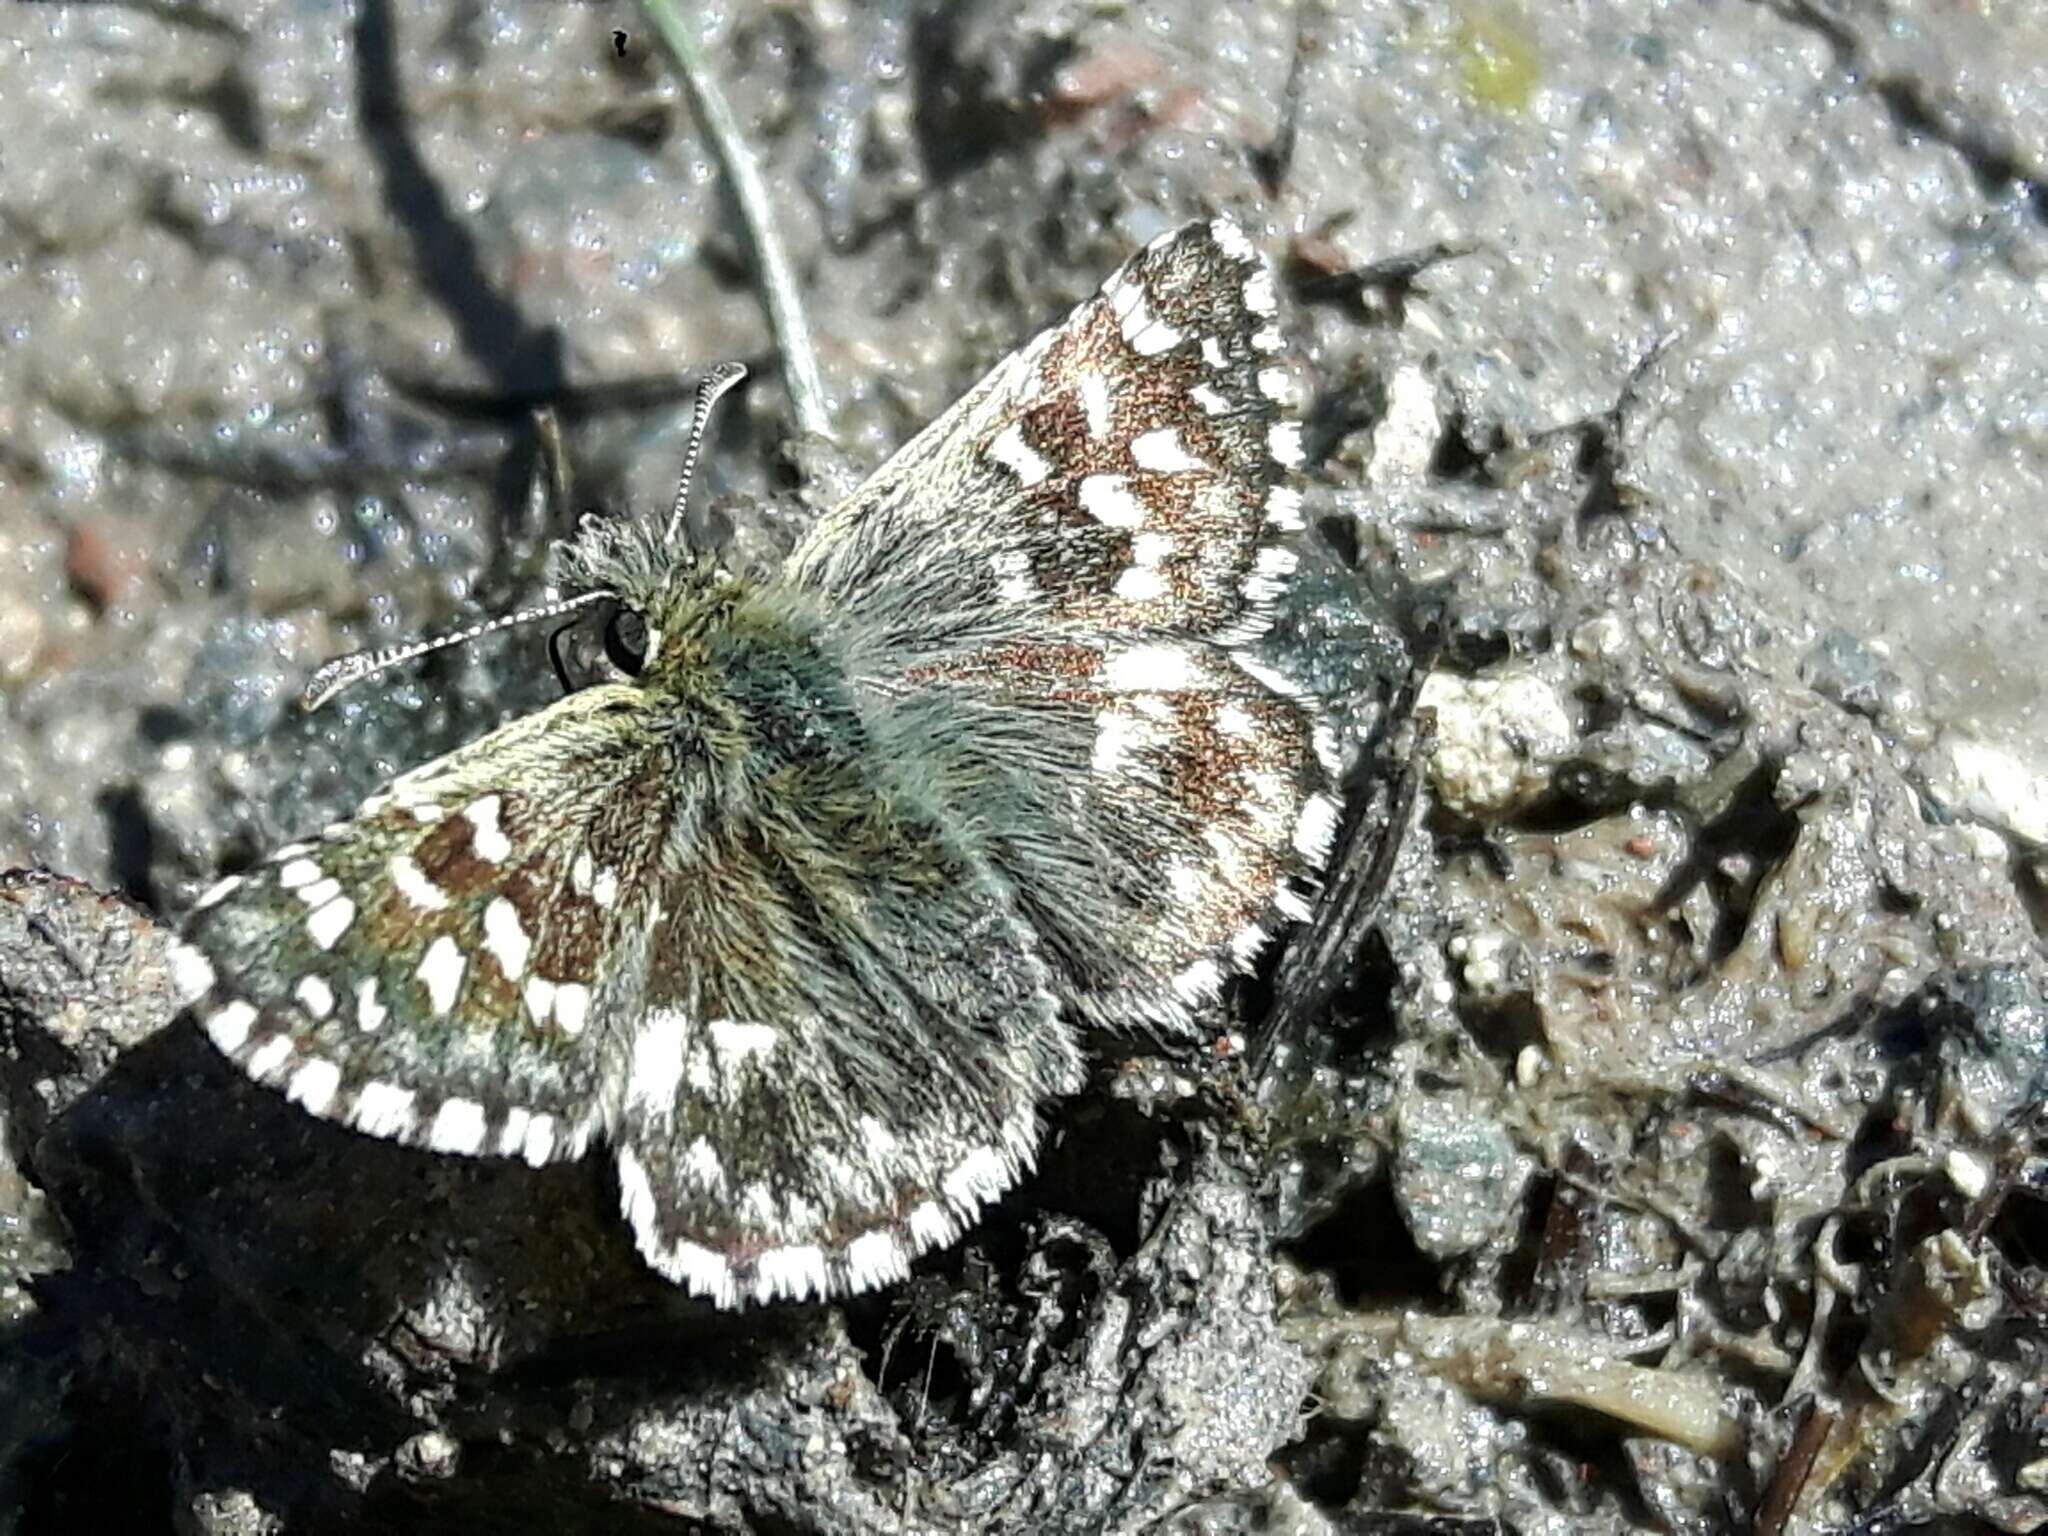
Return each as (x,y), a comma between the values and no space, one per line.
(431,970)
(846,1032)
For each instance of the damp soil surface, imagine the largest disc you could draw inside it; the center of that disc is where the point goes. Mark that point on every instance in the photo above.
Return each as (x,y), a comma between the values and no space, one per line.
(1647,1136)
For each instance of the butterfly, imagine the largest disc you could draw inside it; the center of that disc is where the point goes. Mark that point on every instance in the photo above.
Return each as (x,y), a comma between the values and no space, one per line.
(801,913)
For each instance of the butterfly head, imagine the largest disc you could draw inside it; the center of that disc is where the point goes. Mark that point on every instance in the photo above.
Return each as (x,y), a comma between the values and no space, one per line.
(642,568)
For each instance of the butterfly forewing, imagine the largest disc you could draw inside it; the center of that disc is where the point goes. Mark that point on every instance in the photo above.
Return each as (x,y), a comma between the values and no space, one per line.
(1128,470)
(431,969)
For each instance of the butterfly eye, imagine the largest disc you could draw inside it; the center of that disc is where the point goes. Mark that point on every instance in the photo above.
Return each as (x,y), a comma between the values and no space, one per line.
(625,641)
(607,644)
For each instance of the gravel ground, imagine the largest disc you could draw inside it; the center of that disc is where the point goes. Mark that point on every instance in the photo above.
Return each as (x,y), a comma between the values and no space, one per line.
(1663,1160)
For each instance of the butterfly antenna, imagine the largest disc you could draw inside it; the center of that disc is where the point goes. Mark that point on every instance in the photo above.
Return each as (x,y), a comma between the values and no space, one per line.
(715,383)
(347,671)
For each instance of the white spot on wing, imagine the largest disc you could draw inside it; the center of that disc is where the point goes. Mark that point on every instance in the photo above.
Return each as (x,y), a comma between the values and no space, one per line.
(1140,584)
(581,872)
(1162,667)
(458,1127)
(229,1025)
(1160,451)
(1230,240)
(657,1065)
(1093,389)
(1213,353)
(540,998)
(314,1085)
(1200,982)
(1012,568)
(875,1258)
(1283,508)
(1258,293)
(540,1140)
(1317,827)
(572,1006)
(636,1204)
(794,1272)
(369,1012)
(701,1165)
(1016,455)
(414,886)
(383,1109)
(487,838)
(980,1177)
(1108,499)
(315,996)
(505,938)
(930,1226)
(297,872)
(1116,737)
(191,972)
(320,892)
(1284,440)
(269,1056)
(440,969)
(513,1136)
(1213,402)
(604,890)
(216,893)
(326,926)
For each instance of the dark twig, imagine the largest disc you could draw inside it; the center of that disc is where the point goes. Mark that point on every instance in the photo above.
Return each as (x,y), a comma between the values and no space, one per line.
(778,281)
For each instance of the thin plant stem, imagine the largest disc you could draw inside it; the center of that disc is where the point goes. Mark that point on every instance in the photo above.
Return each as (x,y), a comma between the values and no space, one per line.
(778,282)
